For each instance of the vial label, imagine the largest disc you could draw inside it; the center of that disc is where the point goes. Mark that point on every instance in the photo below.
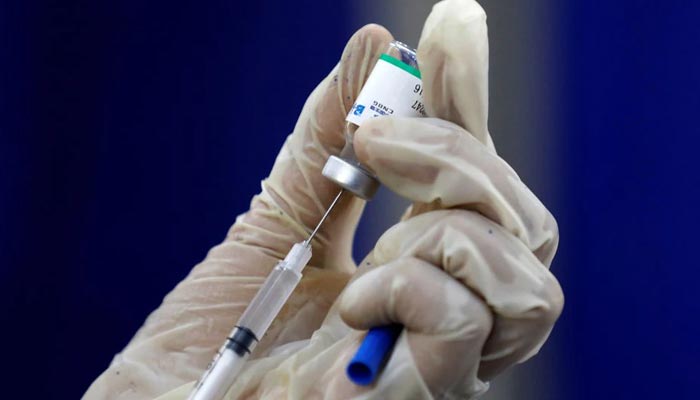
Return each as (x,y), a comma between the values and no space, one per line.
(394,88)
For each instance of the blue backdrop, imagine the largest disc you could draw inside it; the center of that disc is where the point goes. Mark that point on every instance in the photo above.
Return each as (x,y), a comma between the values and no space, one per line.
(629,260)
(132,133)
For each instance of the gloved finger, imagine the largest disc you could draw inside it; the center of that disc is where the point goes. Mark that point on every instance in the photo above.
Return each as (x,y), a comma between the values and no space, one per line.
(428,160)
(295,185)
(454,60)
(523,295)
(446,324)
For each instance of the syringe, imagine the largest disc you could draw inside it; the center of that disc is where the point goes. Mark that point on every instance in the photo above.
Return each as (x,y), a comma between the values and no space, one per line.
(256,319)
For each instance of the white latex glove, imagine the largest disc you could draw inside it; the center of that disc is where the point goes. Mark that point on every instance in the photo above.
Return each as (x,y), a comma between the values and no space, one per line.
(180,338)
(465,271)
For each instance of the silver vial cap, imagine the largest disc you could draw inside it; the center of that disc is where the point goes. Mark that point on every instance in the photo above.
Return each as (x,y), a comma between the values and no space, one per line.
(351,177)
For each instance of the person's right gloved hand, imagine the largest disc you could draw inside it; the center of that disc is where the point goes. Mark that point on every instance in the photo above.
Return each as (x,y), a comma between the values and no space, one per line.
(465,271)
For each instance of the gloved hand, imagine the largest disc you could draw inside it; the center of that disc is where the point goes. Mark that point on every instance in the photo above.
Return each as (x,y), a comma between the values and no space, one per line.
(465,270)
(180,338)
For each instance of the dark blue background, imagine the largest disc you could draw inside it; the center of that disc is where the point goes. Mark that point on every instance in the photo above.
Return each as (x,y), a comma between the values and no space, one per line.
(132,133)
(628,214)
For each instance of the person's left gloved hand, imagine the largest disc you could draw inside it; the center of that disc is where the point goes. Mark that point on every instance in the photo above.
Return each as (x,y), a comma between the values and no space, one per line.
(180,338)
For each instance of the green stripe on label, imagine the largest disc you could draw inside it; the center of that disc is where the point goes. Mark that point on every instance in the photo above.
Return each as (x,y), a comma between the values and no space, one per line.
(391,60)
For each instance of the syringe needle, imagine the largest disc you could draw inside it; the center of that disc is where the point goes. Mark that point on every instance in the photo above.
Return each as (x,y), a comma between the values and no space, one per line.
(337,197)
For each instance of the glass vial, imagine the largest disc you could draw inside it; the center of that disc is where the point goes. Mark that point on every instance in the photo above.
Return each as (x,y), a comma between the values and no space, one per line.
(393,88)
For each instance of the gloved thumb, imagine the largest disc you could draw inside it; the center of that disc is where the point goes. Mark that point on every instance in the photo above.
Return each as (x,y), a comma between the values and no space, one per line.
(454,60)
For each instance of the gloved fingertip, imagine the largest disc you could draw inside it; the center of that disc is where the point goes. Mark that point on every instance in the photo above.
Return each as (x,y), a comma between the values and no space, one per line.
(373,31)
(348,307)
(356,298)
(364,47)
(369,131)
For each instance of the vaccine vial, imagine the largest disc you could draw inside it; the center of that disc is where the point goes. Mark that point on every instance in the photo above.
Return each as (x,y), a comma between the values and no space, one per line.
(393,88)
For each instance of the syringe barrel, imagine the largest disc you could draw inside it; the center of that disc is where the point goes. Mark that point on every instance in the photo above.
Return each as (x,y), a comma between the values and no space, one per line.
(269,300)
(252,325)
(275,291)
(220,375)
